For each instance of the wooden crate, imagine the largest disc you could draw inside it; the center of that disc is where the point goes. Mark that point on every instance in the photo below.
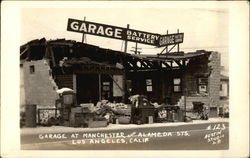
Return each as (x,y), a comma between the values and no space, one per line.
(124,120)
(81,119)
(95,124)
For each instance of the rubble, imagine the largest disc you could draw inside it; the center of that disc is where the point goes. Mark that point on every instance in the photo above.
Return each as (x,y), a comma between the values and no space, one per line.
(112,111)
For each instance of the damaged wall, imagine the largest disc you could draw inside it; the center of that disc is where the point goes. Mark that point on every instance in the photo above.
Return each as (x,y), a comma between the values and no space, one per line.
(195,71)
(22,90)
(39,85)
(214,79)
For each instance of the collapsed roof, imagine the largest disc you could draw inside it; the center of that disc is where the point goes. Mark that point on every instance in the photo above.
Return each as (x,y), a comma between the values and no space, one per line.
(77,53)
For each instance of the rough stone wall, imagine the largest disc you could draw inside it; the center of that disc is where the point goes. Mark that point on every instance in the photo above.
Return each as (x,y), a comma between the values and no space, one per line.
(39,86)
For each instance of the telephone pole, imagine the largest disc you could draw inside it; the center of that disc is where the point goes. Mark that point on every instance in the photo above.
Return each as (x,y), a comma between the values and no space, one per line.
(136,49)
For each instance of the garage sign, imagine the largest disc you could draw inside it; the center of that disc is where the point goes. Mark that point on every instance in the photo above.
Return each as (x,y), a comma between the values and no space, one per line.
(123,33)
(170,39)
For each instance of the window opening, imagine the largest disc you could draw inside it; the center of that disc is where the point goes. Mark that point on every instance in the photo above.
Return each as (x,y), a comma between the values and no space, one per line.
(32,69)
(177,84)
(202,85)
(149,85)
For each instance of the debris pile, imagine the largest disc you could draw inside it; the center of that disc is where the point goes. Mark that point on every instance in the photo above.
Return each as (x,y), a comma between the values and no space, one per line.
(112,111)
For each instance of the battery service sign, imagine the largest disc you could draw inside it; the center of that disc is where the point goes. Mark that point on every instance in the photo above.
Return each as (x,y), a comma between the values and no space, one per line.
(142,37)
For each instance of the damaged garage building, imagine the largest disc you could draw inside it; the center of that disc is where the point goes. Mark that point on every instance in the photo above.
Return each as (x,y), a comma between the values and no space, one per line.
(96,74)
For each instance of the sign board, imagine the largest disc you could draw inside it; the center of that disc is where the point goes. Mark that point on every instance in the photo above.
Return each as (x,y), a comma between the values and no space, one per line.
(96,29)
(171,39)
(123,33)
(142,37)
(117,85)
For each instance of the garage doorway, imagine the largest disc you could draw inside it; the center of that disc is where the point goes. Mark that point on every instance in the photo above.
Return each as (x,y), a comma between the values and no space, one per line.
(87,88)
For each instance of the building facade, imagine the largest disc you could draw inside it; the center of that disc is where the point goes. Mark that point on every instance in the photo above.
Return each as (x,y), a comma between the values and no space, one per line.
(95,73)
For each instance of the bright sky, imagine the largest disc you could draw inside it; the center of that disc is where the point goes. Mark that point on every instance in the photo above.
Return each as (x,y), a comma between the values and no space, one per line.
(203,28)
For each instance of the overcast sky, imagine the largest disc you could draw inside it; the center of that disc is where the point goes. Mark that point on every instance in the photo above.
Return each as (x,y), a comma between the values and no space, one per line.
(203,28)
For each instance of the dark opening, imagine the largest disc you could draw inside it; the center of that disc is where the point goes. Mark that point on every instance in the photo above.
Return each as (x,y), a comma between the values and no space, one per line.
(32,69)
(37,52)
(87,88)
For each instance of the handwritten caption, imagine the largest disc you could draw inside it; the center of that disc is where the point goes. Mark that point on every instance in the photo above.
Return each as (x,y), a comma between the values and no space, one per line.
(110,137)
(216,133)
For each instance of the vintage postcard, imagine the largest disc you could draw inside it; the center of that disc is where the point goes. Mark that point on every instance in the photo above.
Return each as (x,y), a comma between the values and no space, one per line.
(126,78)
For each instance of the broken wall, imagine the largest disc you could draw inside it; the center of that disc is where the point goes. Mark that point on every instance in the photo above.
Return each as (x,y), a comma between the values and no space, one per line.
(197,70)
(22,90)
(39,86)
(214,79)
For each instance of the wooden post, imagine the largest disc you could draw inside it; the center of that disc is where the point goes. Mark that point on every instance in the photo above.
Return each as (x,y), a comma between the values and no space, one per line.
(38,116)
(124,86)
(100,87)
(163,85)
(185,91)
(135,47)
(83,35)
(167,45)
(185,103)
(126,42)
(52,55)
(124,74)
(74,83)
(178,46)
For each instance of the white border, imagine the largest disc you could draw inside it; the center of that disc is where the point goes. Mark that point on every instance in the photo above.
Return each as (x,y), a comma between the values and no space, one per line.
(239,79)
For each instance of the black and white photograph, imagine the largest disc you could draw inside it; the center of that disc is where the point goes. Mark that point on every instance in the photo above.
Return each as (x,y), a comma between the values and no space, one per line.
(131,76)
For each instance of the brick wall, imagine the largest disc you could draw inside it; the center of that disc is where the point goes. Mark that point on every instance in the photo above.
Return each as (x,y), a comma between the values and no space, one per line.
(196,70)
(214,79)
(39,85)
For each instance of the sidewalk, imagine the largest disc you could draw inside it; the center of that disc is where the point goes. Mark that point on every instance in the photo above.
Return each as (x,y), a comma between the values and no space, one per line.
(60,129)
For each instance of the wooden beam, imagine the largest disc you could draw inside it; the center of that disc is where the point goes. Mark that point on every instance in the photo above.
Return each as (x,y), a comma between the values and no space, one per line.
(26,49)
(61,43)
(184,63)
(51,54)
(144,64)
(28,52)
(99,86)
(117,84)
(166,64)
(127,65)
(178,63)
(112,72)
(172,48)
(133,62)
(149,64)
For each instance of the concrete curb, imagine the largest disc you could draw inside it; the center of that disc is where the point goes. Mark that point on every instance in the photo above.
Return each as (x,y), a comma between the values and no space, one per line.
(60,129)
